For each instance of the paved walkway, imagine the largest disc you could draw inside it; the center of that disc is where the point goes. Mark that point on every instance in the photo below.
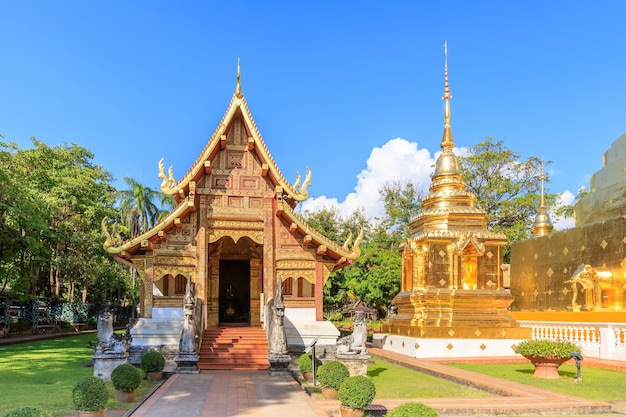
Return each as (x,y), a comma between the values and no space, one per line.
(229,393)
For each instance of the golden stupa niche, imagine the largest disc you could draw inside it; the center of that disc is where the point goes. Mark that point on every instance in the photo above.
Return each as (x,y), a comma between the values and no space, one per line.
(452,278)
(582,269)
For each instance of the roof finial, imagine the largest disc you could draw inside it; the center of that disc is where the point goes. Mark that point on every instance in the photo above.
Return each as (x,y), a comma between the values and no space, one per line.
(238,92)
(542,225)
(447,142)
(542,177)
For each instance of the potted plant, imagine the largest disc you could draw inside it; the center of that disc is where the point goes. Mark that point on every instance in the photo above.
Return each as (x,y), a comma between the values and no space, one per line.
(412,410)
(305,363)
(27,412)
(153,364)
(125,378)
(356,393)
(90,396)
(331,375)
(547,355)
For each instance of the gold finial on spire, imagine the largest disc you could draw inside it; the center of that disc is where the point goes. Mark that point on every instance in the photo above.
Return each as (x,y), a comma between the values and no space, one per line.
(238,92)
(542,225)
(447,143)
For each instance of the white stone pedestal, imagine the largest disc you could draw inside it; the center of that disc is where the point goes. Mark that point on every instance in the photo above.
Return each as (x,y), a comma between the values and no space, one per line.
(105,363)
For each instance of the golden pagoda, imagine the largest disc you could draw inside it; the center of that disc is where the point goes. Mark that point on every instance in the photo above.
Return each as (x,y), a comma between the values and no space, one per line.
(452,278)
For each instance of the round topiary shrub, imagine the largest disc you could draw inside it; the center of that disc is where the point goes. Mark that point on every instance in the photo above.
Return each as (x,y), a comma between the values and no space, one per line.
(90,394)
(126,377)
(305,363)
(357,392)
(27,412)
(152,361)
(547,348)
(332,374)
(413,410)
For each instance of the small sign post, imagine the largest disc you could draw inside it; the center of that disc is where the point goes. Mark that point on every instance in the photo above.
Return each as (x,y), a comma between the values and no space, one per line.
(311,348)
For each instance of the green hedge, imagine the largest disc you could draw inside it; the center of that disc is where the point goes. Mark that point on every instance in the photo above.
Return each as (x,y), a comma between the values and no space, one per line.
(413,410)
(332,374)
(357,392)
(27,412)
(547,348)
(152,361)
(90,394)
(126,378)
(305,363)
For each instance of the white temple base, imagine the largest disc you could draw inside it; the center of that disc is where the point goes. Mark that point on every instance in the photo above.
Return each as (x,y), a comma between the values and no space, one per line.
(161,332)
(301,334)
(445,348)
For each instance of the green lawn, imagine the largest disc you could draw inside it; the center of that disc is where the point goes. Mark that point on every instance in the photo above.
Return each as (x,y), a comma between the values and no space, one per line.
(597,384)
(43,373)
(394,381)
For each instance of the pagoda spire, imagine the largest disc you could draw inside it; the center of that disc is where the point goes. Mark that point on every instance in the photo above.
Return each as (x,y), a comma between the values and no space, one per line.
(447,143)
(238,92)
(447,164)
(542,225)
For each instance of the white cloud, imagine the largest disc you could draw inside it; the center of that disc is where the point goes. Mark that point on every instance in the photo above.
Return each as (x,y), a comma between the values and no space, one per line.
(561,223)
(402,161)
(397,160)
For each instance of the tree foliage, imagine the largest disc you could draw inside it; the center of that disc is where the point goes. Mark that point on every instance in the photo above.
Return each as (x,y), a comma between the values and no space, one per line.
(52,200)
(505,187)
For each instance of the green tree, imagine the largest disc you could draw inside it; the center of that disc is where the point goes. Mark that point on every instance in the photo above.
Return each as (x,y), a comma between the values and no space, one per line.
(506,187)
(138,209)
(58,197)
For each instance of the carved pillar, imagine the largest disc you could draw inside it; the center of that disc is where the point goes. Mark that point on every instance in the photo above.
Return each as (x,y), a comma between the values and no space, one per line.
(270,236)
(202,255)
(319,287)
(255,291)
(148,282)
(213,275)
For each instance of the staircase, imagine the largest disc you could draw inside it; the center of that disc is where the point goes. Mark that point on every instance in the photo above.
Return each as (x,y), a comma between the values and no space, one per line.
(226,348)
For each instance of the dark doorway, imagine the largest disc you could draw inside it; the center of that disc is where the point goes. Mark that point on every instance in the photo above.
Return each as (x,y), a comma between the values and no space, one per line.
(234,292)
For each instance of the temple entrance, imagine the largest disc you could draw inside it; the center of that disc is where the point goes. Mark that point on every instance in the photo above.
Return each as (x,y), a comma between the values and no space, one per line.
(234,292)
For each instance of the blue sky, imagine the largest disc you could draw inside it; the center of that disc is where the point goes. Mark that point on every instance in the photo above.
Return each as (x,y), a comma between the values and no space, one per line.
(351,89)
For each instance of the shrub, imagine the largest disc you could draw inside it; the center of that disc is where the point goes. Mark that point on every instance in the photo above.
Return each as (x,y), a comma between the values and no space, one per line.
(332,374)
(547,348)
(152,361)
(413,410)
(305,363)
(90,394)
(126,377)
(357,392)
(27,412)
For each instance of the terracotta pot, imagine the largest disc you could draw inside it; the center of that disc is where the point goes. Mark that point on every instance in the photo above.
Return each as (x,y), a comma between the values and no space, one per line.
(101,413)
(351,412)
(154,376)
(330,393)
(308,376)
(546,367)
(125,397)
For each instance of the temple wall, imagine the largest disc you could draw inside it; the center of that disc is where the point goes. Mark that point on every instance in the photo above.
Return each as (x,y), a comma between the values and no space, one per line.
(540,266)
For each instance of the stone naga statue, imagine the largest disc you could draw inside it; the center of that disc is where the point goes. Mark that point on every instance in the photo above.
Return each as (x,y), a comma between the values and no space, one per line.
(278,339)
(108,341)
(187,344)
(355,342)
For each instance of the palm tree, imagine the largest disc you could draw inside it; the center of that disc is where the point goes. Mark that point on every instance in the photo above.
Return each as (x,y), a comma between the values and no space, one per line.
(137,207)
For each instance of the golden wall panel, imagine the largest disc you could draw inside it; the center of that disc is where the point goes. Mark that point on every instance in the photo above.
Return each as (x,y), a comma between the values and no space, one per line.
(541,266)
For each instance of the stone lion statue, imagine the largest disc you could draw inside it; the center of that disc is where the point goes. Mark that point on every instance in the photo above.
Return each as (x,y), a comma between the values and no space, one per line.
(355,342)
(108,341)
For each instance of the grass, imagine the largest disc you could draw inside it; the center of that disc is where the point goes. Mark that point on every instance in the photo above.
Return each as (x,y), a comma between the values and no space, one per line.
(394,381)
(42,374)
(597,384)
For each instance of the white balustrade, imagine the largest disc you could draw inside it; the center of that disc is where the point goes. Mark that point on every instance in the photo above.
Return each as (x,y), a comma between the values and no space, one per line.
(598,340)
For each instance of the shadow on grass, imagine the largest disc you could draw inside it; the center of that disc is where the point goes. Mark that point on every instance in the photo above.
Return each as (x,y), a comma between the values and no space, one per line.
(375,372)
